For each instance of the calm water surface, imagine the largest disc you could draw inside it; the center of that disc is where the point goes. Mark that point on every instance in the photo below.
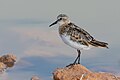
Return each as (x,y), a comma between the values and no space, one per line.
(40,51)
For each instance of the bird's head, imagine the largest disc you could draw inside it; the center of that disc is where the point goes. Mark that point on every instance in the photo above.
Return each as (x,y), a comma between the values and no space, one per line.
(61,19)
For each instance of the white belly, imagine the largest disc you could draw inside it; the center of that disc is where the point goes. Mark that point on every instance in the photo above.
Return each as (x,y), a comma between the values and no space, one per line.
(73,44)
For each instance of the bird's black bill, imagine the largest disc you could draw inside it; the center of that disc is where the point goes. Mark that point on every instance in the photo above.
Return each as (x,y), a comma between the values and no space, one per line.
(55,22)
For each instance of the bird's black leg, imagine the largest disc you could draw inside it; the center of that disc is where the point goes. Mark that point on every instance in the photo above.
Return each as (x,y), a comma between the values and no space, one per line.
(77,59)
(79,52)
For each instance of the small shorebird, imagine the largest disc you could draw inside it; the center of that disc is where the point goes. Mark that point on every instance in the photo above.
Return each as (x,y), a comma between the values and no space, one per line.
(75,36)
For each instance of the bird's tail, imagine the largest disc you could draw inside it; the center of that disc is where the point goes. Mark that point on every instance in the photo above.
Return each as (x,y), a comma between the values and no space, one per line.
(98,43)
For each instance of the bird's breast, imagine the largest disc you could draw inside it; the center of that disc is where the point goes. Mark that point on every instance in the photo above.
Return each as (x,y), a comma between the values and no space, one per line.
(67,40)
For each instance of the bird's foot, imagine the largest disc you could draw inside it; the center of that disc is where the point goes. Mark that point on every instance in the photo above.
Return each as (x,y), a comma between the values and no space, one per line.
(72,64)
(78,63)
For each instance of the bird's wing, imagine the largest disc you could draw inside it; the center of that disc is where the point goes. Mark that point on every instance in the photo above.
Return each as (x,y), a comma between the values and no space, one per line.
(80,35)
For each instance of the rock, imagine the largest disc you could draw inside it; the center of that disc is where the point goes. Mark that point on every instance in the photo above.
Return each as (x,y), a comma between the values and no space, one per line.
(2,67)
(35,78)
(8,60)
(79,72)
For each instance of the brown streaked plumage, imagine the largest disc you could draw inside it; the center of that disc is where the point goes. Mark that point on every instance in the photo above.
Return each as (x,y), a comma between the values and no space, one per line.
(79,35)
(75,36)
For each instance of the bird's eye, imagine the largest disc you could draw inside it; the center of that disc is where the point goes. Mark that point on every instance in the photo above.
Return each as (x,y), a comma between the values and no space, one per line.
(60,19)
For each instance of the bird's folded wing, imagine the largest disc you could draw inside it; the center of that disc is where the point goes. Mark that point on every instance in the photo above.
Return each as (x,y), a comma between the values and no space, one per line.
(78,34)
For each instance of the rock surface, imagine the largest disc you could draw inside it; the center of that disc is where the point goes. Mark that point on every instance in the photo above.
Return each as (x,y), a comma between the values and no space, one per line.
(35,78)
(8,60)
(2,67)
(79,72)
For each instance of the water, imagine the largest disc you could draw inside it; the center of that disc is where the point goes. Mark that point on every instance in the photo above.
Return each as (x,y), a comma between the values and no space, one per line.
(40,50)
